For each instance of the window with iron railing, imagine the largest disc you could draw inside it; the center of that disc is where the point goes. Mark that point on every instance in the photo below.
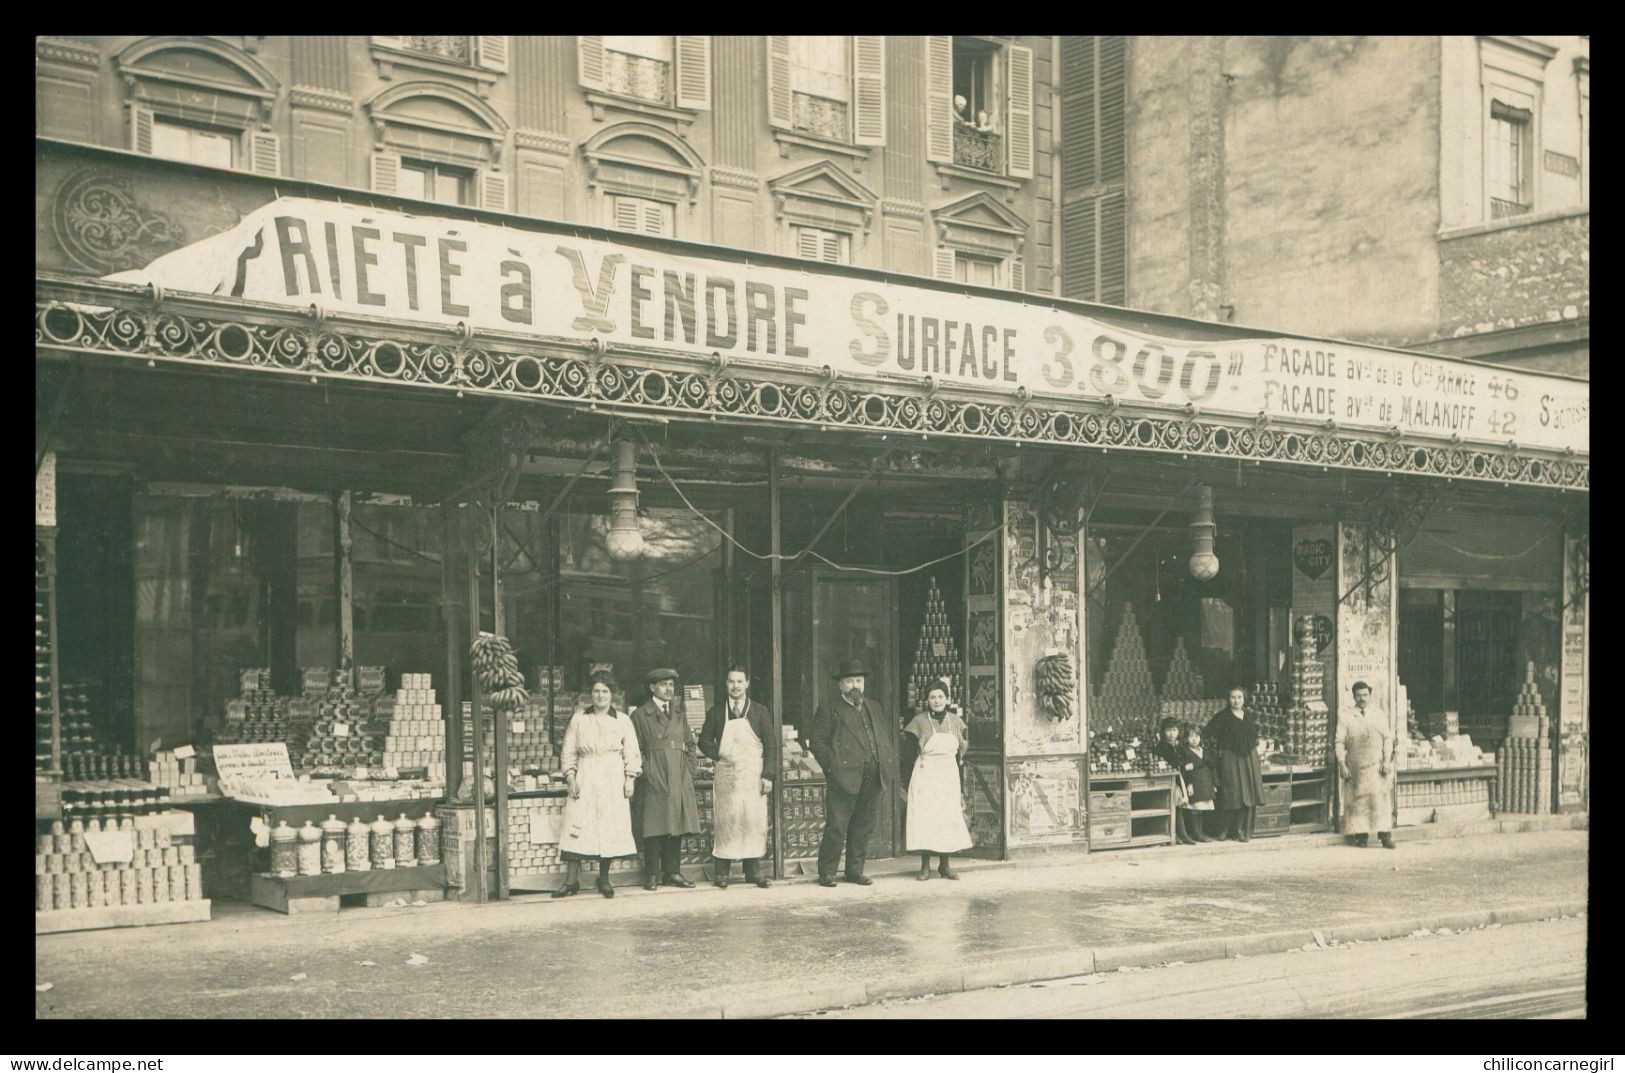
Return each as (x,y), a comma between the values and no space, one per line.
(455,49)
(980,149)
(638,67)
(1511,160)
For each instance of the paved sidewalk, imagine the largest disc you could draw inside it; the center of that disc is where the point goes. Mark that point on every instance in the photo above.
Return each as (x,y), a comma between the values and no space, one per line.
(749,952)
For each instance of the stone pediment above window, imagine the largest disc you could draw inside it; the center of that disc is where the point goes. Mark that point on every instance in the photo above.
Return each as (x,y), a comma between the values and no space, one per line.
(436,121)
(980,222)
(199,80)
(824,195)
(644,160)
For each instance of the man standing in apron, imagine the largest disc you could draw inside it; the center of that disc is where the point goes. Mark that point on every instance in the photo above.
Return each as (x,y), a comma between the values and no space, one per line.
(735,735)
(855,742)
(1365,763)
(664,807)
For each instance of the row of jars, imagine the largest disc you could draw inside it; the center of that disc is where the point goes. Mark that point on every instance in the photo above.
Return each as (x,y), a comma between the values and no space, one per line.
(356,847)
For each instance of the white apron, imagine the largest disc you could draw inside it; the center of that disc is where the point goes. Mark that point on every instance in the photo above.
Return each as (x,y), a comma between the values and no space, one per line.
(739,826)
(599,822)
(936,812)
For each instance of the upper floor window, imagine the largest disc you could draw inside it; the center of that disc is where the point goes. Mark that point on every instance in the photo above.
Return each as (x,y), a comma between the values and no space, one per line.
(820,244)
(456,49)
(1511,159)
(639,67)
(195,145)
(642,215)
(821,85)
(430,181)
(660,75)
(979,105)
(981,271)
(832,89)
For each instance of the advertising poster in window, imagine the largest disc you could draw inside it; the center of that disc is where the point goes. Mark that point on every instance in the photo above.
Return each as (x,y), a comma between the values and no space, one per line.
(1046,802)
(1314,589)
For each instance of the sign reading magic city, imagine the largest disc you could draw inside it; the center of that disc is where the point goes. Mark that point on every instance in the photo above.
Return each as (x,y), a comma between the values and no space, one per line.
(555,284)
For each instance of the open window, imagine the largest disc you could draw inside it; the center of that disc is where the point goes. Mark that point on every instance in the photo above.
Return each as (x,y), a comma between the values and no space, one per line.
(1513,75)
(979,106)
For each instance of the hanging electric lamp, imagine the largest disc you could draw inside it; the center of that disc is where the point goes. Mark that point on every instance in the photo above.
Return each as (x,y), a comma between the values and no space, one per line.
(1204,565)
(625,541)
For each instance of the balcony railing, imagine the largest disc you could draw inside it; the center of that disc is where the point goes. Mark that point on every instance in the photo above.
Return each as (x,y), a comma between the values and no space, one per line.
(820,115)
(455,49)
(637,76)
(977,149)
(1500,208)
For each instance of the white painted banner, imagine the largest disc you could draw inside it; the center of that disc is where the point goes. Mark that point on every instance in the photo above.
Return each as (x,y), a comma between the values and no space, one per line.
(358,260)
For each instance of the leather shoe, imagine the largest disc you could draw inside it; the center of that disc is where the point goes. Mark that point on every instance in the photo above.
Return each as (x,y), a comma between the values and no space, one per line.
(947,873)
(826,881)
(763,882)
(566,890)
(860,880)
(679,881)
(605,888)
(721,881)
(651,883)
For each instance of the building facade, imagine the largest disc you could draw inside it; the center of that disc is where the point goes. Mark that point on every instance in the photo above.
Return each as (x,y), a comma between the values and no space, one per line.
(1431,192)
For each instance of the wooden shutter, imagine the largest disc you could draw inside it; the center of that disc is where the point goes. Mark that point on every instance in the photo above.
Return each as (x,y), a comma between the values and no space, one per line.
(1113,109)
(807,243)
(590,62)
(939,99)
(869,91)
(780,112)
(1018,137)
(944,267)
(1018,274)
(264,152)
(492,52)
(1114,249)
(693,70)
(494,191)
(141,129)
(1080,274)
(1080,167)
(386,172)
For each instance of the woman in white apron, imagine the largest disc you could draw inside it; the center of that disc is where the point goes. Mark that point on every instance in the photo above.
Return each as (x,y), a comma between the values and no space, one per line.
(734,735)
(601,763)
(936,811)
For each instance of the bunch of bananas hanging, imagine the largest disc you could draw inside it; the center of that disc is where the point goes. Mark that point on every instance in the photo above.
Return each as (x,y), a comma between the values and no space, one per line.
(498,671)
(1056,686)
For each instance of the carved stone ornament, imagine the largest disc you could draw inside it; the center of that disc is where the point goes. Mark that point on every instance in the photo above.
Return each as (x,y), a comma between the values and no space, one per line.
(103,227)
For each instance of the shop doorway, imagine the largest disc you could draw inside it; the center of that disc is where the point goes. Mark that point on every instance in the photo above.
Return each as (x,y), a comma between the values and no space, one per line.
(833,615)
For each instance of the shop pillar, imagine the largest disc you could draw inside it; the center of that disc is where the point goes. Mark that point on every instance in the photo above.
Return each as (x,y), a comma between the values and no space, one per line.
(1366,624)
(1574,695)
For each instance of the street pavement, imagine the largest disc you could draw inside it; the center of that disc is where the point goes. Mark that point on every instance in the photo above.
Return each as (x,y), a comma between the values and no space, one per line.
(1532,970)
(750,952)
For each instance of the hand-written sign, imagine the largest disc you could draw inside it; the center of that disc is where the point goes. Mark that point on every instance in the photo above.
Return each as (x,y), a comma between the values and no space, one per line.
(555,284)
(263,760)
(111,847)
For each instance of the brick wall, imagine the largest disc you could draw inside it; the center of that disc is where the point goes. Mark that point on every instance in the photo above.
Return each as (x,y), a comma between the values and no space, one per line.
(1510,277)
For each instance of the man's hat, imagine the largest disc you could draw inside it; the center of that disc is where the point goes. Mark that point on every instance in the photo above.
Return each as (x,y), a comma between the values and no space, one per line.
(851,668)
(659,674)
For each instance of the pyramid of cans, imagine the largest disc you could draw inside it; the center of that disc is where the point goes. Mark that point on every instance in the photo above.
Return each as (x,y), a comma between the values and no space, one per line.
(1125,704)
(531,743)
(936,655)
(1265,702)
(1306,732)
(341,734)
(414,726)
(1183,698)
(66,876)
(258,714)
(1524,760)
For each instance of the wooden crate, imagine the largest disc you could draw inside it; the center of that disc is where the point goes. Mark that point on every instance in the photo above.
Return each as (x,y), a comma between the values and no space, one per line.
(1113,833)
(1104,803)
(298,894)
(1271,822)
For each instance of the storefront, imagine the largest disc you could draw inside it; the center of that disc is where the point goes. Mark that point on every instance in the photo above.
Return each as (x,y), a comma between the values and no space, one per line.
(333,442)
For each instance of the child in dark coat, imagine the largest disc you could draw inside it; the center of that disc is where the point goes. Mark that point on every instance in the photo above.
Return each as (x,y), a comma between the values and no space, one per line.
(1168,748)
(1199,782)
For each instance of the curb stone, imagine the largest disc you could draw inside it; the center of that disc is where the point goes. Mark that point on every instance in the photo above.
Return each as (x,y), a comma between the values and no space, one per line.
(1012,971)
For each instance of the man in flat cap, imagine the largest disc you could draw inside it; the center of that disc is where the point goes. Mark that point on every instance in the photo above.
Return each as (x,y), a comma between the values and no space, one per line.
(664,807)
(856,744)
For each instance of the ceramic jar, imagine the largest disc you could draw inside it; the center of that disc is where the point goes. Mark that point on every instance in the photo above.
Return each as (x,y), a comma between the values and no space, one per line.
(405,837)
(357,840)
(333,839)
(383,843)
(310,850)
(428,839)
(284,850)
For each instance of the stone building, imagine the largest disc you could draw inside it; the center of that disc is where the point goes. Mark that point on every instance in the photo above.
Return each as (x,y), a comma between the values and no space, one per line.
(1420,191)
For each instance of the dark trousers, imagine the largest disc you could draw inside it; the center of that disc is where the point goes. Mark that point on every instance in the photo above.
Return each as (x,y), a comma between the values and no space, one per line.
(662,854)
(753,866)
(849,821)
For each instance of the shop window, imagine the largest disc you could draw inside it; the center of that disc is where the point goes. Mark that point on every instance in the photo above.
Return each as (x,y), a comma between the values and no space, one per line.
(396,589)
(436,182)
(642,216)
(818,244)
(1511,159)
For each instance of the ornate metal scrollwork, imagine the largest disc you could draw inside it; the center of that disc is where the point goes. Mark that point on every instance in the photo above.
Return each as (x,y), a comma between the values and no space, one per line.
(103,227)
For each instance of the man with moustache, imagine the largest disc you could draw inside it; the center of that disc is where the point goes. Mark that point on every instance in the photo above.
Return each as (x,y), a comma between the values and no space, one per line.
(664,807)
(856,744)
(735,735)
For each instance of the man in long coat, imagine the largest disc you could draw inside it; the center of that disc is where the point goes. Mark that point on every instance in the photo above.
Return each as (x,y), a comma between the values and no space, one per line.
(1365,763)
(738,735)
(664,807)
(856,744)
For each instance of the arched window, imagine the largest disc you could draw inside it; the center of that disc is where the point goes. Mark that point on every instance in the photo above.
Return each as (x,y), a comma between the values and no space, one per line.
(200,100)
(646,178)
(438,143)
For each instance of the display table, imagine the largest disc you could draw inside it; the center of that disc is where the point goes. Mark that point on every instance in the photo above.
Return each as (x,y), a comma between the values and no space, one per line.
(1458,794)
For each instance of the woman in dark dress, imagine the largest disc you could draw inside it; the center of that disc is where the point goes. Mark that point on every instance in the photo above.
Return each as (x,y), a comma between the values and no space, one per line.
(1232,748)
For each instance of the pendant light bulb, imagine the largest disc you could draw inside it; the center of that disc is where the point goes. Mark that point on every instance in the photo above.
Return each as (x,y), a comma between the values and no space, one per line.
(1204,565)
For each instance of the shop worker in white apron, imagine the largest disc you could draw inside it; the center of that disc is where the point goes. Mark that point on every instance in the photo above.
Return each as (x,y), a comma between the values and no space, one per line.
(735,735)
(936,809)
(601,763)
(855,742)
(665,807)
(1365,762)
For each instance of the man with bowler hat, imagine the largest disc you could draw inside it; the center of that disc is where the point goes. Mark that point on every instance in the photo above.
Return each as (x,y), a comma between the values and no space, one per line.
(856,744)
(664,807)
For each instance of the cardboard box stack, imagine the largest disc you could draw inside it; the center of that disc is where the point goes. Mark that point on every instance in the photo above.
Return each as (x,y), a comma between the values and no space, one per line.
(414,728)
(795,761)
(159,870)
(180,774)
(1524,761)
